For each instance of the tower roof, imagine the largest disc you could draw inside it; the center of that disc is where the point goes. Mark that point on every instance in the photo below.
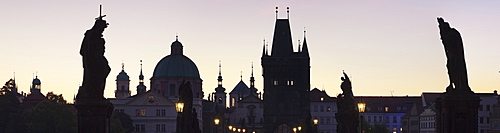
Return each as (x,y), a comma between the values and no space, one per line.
(282,40)
(36,81)
(123,75)
(240,88)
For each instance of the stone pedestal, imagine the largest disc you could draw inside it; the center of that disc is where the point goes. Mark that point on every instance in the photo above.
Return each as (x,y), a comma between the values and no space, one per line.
(94,117)
(457,112)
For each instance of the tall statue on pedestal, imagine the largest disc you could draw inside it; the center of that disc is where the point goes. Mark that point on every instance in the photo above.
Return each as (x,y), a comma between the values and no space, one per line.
(95,65)
(94,110)
(347,115)
(457,108)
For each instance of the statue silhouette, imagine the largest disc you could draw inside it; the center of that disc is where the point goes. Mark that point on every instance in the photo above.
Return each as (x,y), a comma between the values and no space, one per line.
(454,49)
(95,65)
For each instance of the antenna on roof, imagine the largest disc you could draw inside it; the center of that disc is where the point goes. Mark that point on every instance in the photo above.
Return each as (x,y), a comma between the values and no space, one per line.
(391,93)
(276,12)
(287,12)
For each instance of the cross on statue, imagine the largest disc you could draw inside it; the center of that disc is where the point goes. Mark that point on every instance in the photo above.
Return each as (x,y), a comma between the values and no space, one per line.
(100,14)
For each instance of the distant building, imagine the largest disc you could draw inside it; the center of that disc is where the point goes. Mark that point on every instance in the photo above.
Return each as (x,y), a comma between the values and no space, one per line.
(34,97)
(154,110)
(324,107)
(388,110)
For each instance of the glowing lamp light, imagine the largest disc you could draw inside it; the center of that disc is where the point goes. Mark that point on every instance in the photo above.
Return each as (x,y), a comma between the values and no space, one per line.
(179,106)
(230,127)
(315,121)
(361,107)
(216,121)
(299,128)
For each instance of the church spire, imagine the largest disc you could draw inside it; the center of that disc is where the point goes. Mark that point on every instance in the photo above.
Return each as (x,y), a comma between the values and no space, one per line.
(305,50)
(219,88)
(252,83)
(141,88)
(219,79)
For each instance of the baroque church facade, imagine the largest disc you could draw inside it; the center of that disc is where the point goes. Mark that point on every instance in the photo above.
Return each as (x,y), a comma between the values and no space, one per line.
(154,110)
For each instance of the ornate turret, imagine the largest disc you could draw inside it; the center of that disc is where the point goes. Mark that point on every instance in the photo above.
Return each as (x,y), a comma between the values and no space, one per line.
(220,94)
(253,90)
(141,88)
(122,84)
(36,85)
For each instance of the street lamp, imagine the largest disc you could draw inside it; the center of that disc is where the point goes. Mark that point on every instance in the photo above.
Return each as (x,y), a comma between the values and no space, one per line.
(294,130)
(216,121)
(243,130)
(315,122)
(230,128)
(299,128)
(179,106)
(361,109)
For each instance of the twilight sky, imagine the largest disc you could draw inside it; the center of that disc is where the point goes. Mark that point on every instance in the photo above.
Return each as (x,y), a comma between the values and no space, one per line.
(383,45)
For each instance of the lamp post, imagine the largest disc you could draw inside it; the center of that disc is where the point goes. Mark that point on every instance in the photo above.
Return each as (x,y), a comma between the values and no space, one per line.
(315,122)
(179,107)
(299,128)
(361,109)
(294,130)
(230,128)
(216,122)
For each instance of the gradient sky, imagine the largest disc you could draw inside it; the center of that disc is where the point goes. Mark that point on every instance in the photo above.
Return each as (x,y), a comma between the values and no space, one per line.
(383,45)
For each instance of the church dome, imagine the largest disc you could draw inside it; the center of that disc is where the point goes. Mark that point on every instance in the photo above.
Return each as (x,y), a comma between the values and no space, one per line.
(176,64)
(123,76)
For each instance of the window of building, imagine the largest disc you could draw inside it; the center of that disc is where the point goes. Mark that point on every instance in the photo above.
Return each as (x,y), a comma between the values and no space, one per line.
(161,112)
(394,119)
(386,108)
(140,127)
(122,87)
(328,120)
(321,109)
(369,118)
(140,112)
(481,120)
(120,110)
(481,107)
(315,108)
(328,109)
(487,107)
(275,82)
(160,128)
(232,101)
(220,100)
(322,99)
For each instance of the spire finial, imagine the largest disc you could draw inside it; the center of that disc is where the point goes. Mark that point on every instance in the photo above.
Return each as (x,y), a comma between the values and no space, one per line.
(299,46)
(141,66)
(276,12)
(219,69)
(241,75)
(176,37)
(252,68)
(287,12)
(123,66)
(14,74)
(267,48)
(36,74)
